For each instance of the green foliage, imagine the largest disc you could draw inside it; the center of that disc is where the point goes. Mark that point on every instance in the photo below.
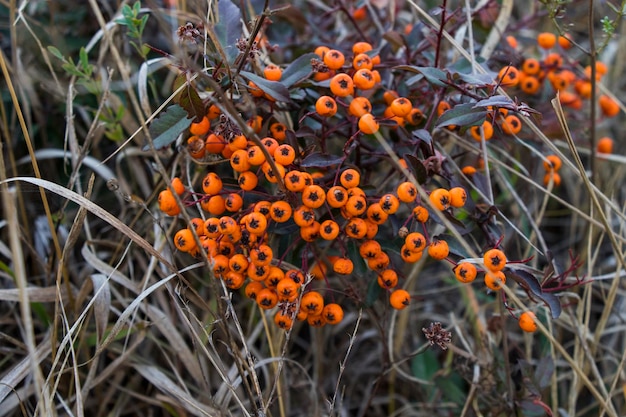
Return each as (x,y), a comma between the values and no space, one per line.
(135,26)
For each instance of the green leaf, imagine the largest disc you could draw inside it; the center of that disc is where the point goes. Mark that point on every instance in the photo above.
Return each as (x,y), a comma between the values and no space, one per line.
(274,89)
(188,98)
(462,115)
(228,28)
(373,292)
(166,128)
(434,76)
(298,70)
(55,51)
(495,101)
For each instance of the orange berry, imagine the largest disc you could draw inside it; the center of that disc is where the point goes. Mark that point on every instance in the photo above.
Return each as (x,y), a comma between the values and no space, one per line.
(326,106)
(359,106)
(184,241)
(546,40)
(401,107)
(313,196)
(369,249)
(420,213)
(458,197)
(321,51)
(350,178)
(552,163)
(239,160)
(196,147)
(272,174)
(440,198)
(414,117)
(238,142)
(564,42)
(438,249)
(334,59)
(255,90)
(362,61)
(212,184)
(303,216)
(608,106)
(200,128)
(278,131)
(400,299)
(415,242)
(389,96)
(233,202)
(216,205)
(266,299)
(410,256)
(552,176)
(406,191)
(511,125)
(364,79)
(531,66)
(247,181)
(284,154)
(388,279)
(282,320)
(214,144)
(468,170)
(367,124)
(376,214)
(312,302)
(494,260)
(530,85)
(287,290)
(332,313)
(270,144)
(508,76)
(511,41)
(272,72)
(343,266)
(553,60)
(167,203)
(442,107)
(178,186)
(329,230)
(337,196)
(527,322)
(342,85)
(255,155)
(356,227)
(465,272)
(495,280)
(605,145)
(487,129)
(253,288)
(361,47)
(389,203)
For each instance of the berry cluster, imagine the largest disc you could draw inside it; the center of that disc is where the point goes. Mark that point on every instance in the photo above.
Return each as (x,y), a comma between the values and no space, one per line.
(317,181)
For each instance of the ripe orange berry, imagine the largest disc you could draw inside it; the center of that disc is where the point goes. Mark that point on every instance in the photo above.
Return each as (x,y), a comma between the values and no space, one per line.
(527,322)
(389,96)
(315,321)
(468,170)
(262,255)
(552,163)
(342,85)
(184,241)
(167,203)
(401,107)
(233,202)
(369,249)
(278,130)
(376,214)
(608,106)
(282,320)
(334,59)
(530,85)
(552,176)
(285,154)
(356,227)
(511,41)
(465,272)
(350,178)
(415,242)
(313,196)
(359,106)
(312,302)
(214,144)
(389,203)
(256,223)
(212,184)
(511,125)
(326,106)
(605,145)
(272,174)
(388,279)
(266,299)
(564,42)
(440,199)
(343,266)
(553,60)
(420,213)
(410,256)
(303,216)
(196,147)
(494,260)
(361,47)
(400,299)
(287,290)
(531,66)
(255,155)
(546,40)
(442,107)
(414,117)
(272,72)
(294,181)
(255,90)
(178,185)
(487,128)
(200,128)
(332,313)
(458,197)
(329,230)
(495,280)
(438,249)
(234,280)
(368,124)
(508,76)
(321,51)
(239,160)
(247,181)
(253,288)
(362,61)
(364,79)
(406,191)
(270,144)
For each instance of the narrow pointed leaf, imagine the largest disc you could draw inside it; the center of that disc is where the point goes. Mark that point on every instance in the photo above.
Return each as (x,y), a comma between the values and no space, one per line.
(298,70)
(166,128)
(274,89)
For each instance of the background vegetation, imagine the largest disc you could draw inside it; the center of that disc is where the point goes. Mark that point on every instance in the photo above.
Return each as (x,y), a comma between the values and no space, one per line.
(101,315)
